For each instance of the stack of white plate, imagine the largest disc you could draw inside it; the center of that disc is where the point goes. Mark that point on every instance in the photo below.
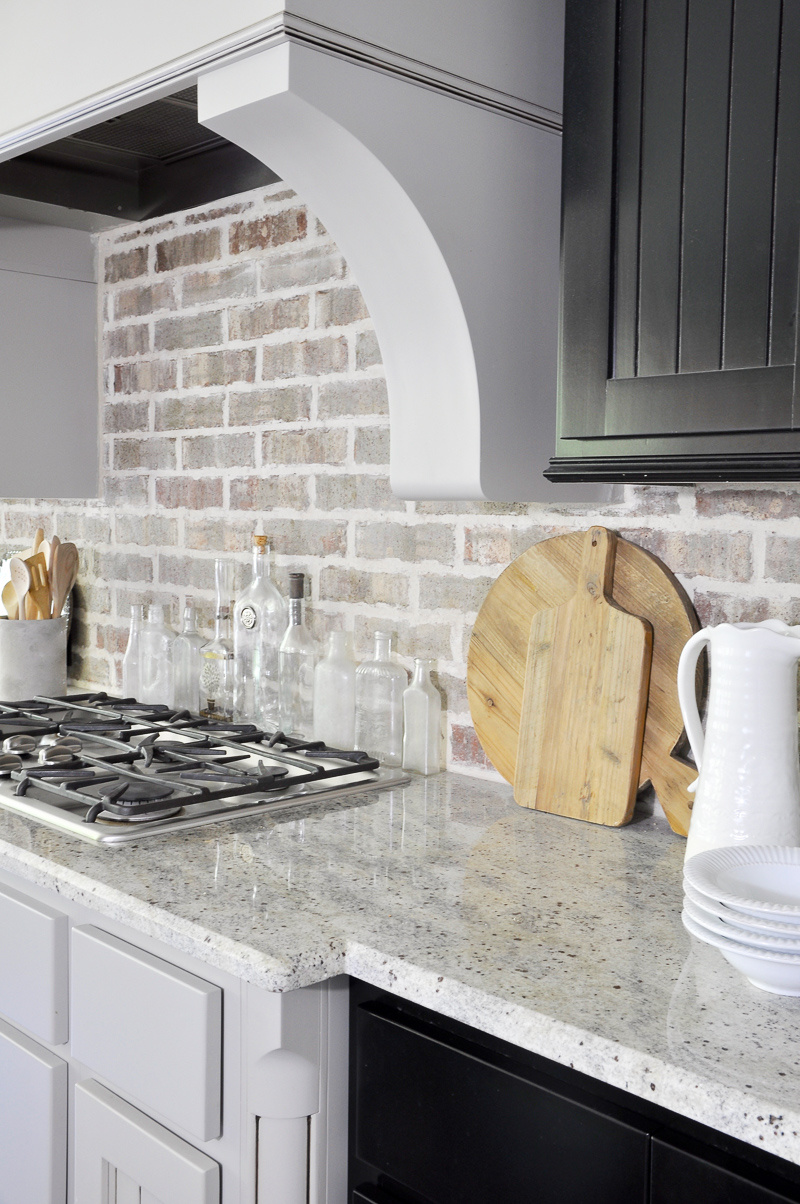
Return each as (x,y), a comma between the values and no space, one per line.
(745,901)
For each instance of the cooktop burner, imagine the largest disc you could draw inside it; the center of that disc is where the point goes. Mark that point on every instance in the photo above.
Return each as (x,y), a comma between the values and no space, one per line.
(129,791)
(131,769)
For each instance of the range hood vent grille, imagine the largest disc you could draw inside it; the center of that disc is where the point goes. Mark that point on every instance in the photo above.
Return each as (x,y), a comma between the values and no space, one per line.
(151,161)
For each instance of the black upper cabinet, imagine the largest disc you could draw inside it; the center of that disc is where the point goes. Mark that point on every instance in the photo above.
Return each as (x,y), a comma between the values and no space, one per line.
(680,241)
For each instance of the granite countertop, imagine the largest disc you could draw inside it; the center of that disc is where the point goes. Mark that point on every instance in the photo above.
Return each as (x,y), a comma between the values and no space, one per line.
(561,937)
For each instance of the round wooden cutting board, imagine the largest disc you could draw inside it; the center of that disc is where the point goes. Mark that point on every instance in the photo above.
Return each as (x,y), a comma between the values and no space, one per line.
(544,576)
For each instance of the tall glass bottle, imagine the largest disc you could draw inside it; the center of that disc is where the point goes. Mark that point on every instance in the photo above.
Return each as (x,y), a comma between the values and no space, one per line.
(155,657)
(130,662)
(297,656)
(422,709)
(379,703)
(335,694)
(186,662)
(216,672)
(259,622)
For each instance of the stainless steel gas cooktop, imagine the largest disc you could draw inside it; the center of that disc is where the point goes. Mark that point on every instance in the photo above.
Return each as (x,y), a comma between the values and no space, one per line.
(111,770)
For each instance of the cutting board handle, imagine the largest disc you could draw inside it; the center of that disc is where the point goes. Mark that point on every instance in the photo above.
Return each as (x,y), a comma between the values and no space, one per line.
(596,577)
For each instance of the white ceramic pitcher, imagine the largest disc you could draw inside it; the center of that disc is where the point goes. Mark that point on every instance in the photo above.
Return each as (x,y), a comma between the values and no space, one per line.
(748,791)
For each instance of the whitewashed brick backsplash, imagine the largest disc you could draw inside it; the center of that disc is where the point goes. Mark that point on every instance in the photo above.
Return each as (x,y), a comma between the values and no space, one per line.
(244,392)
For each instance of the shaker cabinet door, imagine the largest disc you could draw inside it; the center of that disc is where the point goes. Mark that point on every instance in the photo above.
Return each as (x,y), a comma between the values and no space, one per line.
(33,1122)
(680,241)
(124,1157)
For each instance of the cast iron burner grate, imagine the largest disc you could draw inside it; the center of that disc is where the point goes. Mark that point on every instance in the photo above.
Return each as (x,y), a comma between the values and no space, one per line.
(142,791)
(144,762)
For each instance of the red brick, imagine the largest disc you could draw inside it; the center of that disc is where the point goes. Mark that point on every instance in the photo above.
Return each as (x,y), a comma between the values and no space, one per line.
(188,492)
(145,376)
(126,265)
(219,368)
(200,246)
(465,748)
(290,225)
(255,321)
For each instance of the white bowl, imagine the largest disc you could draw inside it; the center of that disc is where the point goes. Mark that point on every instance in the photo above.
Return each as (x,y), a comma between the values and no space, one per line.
(758,880)
(738,919)
(778,973)
(755,940)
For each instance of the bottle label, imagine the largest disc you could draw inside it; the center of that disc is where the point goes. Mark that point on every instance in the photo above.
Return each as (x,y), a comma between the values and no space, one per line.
(248,617)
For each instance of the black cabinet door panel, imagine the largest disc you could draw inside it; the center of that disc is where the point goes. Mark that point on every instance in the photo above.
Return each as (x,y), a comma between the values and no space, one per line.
(679,1177)
(454,1128)
(750,399)
(681,229)
(705,175)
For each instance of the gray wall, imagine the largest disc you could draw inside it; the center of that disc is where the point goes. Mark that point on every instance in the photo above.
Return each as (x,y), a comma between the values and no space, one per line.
(48,361)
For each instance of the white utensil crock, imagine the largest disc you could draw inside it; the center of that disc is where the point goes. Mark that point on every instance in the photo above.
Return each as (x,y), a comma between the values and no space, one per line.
(33,658)
(748,790)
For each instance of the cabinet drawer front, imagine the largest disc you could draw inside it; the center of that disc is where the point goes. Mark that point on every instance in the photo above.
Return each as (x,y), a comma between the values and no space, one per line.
(33,1121)
(121,1155)
(34,966)
(153,1030)
(680,1177)
(458,1129)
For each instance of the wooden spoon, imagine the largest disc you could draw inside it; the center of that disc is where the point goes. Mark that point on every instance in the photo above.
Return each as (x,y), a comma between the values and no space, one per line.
(38,539)
(21,580)
(64,574)
(10,602)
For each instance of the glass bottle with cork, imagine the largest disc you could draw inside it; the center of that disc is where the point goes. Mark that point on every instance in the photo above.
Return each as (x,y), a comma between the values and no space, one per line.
(297,658)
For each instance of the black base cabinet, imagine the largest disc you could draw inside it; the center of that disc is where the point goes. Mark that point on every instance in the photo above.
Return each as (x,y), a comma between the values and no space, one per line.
(442,1114)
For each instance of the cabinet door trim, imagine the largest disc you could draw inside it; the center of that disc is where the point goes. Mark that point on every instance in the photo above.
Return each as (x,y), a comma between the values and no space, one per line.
(109,1130)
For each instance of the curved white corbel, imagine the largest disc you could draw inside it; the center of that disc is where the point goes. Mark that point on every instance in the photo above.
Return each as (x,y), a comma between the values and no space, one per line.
(448,214)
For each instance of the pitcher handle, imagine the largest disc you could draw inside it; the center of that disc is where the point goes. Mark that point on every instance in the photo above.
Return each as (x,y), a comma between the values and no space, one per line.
(687,693)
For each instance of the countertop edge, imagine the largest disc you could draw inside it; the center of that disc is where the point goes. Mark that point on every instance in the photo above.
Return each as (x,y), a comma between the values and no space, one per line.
(736,1113)
(232,957)
(728,1110)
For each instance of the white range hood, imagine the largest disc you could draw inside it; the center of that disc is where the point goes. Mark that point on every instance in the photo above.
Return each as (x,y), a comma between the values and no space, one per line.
(425,136)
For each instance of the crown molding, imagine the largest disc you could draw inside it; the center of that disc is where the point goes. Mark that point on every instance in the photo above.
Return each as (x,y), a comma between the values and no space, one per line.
(182,72)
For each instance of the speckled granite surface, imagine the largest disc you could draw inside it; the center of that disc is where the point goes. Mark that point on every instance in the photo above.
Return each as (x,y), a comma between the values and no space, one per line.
(559,936)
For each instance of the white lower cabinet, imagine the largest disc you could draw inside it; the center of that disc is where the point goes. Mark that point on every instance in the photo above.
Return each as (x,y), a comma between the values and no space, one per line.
(124,1157)
(33,1121)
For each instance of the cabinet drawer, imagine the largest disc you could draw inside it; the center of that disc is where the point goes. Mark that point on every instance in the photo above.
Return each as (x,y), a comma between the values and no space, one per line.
(34,966)
(33,1121)
(447,1122)
(679,1176)
(121,1155)
(153,1030)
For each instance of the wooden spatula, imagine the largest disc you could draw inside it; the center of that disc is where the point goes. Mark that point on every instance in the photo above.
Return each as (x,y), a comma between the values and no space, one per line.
(38,604)
(585,699)
(9,596)
(21,580)
(64,574)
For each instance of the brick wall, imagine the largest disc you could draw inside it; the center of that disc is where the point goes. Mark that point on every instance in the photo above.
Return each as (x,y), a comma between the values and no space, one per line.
(244,391)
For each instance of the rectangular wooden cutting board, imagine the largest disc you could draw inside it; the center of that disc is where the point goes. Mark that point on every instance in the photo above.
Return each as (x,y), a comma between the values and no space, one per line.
(585,699)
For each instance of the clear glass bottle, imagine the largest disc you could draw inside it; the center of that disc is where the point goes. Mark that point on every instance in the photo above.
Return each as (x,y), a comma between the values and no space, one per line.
(335,693)
(422,710)
(260,619)
(155,657)
(297,657)
(186,662)
(379,703)
(130,662)
(216,671)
